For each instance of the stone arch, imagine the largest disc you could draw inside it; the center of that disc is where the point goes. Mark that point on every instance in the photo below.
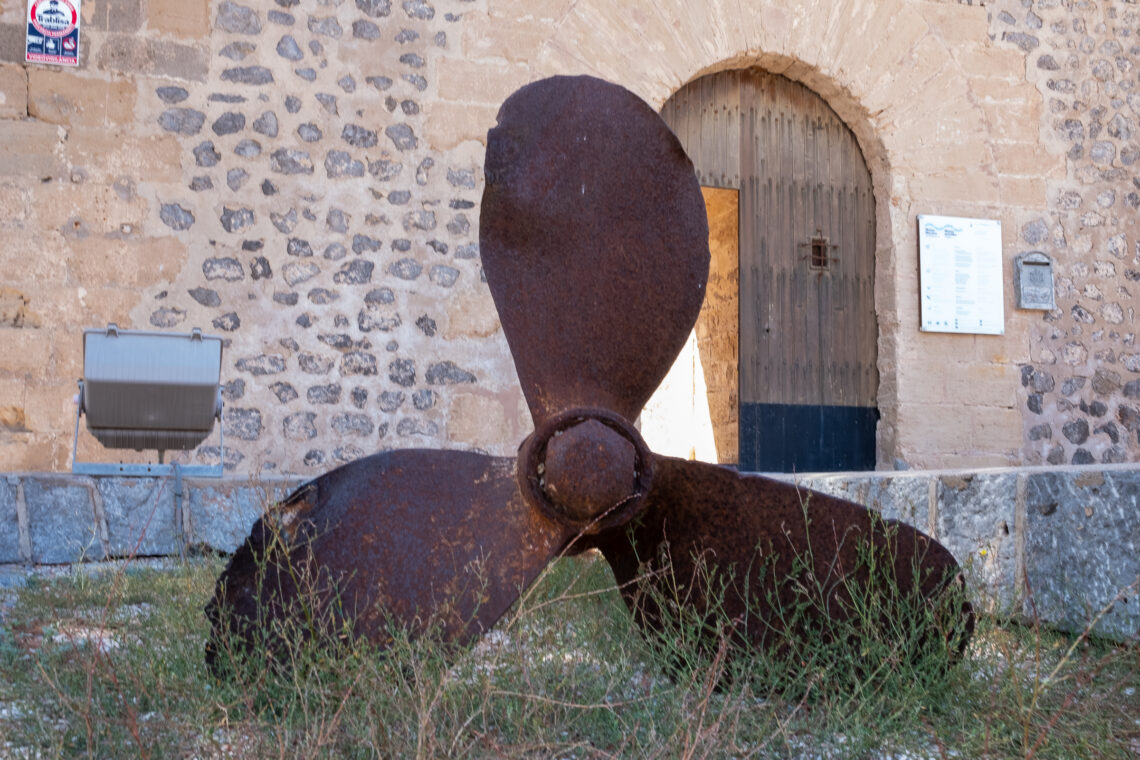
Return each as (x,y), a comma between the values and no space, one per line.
(914,81)
(877,157)
(843,76)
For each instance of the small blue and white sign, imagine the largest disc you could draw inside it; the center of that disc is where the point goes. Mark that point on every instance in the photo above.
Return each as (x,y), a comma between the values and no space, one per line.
(53,32)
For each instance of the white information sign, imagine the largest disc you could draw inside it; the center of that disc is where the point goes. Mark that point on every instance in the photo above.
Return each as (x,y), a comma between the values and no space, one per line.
(53,32)
(960,275)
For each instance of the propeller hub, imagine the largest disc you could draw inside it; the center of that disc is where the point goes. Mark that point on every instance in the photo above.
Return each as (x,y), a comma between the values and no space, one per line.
(589,468)
(586,468)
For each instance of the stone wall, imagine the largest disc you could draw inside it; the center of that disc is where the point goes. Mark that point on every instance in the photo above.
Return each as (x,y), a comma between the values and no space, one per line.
(303,177)
(260,171)
(1061,545)
(60,519)
(1081,387)
(342,257)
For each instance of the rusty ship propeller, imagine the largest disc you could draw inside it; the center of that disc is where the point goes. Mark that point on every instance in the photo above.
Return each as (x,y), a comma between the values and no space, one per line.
(594,242)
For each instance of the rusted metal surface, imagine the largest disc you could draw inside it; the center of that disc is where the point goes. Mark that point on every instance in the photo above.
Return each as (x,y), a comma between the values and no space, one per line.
(567,482)
(588,469)
(424,539)
(595,244)
(590,203)
(791,559)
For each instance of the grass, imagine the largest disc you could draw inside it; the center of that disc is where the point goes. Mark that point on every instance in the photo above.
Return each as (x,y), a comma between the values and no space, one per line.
(111,665)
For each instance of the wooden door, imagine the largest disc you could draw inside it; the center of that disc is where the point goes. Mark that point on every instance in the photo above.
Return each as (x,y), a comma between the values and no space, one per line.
(807,328)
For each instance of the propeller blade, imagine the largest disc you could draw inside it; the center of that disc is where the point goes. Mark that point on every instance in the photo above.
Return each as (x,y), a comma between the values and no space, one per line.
(790,557)
(594,241)
(431,540)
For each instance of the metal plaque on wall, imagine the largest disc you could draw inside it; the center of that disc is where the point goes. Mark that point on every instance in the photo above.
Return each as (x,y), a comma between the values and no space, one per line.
(1033,281)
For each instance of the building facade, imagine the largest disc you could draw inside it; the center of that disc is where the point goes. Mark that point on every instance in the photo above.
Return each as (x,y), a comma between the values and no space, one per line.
(303,177)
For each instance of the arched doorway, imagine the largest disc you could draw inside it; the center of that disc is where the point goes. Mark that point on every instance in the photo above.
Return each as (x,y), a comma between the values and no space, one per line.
(807,379)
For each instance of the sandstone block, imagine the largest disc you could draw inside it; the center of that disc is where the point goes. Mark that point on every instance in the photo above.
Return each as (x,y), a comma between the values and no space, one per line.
(925,138)
(12,39)
(79,212)
(14,202)
(1027,192)
(16,309)
(12,391)
(67,350)
(956,23)
(1000,89)
(48,406)
(116,155)
(186,19)
(65,97)
(984,59)
(102,305)
(478,420)
(927,387)
(1014,120)
(28,452)
(507,37)
(547,10)
(1028,158)
(997,429)
(966,460)
(447,125)
(870,57)
(933,427)
(13,91)
(115,15)
(954,187)
(31,149)
(25,258)
(983,384)
(129,54)
(471,315)
(469,81)
(26,352)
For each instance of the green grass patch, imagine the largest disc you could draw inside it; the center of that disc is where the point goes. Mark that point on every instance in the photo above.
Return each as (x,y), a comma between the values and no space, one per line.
(111,665)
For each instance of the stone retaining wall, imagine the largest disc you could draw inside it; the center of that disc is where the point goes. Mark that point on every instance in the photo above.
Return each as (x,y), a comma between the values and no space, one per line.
(53,519)
(1058,544)
(1064,542)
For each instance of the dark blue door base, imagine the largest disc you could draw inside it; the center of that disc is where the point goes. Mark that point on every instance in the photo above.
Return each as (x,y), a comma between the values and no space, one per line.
(802,438)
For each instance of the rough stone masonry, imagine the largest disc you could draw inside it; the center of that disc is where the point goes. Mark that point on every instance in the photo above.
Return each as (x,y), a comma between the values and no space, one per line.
(276,188)
(303,177)
(1080,389)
